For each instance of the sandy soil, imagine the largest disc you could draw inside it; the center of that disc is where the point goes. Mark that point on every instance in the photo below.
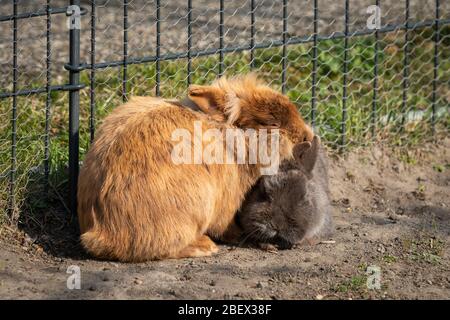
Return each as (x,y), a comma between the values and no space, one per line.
(389,214)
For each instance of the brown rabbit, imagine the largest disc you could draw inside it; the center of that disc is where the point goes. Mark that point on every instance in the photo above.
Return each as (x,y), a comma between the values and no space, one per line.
(292,206)
(136,204)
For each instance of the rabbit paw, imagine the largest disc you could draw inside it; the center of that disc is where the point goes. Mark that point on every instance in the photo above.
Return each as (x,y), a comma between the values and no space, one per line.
(201,247)
(268,247)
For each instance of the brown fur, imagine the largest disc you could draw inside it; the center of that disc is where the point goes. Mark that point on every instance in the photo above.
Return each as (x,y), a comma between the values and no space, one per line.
(135,204)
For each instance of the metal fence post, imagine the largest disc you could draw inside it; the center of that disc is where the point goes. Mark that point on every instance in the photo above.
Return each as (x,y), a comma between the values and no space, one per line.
(189,43)
(74,112)
(252,34)
(92,76)
(158,48)
(221,40)
(435,66)
(284,52)
(12,177)
(405,80)
(314,71)
(125,51)
(345,76)
(375,78)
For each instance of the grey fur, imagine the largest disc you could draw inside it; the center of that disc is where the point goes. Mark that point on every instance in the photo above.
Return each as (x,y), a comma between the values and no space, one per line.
(292,206)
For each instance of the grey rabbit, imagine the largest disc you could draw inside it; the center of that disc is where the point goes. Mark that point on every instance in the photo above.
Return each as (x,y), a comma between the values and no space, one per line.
(293,206)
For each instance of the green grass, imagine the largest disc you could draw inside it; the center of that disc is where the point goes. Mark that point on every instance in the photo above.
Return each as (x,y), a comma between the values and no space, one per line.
(393,125)
(425,248)
(356,283)
(389,259)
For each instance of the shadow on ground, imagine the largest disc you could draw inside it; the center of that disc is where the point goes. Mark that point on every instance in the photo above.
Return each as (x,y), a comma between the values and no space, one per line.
(47,222)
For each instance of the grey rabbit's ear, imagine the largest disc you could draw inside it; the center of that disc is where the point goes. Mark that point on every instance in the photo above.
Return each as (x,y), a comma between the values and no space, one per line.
(299,149)
(267,186)
(306,153)
(262,192)
(270,184)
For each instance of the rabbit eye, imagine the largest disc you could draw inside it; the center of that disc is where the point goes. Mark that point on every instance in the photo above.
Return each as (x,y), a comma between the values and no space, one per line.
(264,197)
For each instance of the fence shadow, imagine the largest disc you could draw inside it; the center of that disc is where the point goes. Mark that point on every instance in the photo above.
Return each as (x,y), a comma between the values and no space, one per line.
(44,217)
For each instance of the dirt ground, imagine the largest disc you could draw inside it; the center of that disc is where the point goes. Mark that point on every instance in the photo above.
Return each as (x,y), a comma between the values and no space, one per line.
(392,214)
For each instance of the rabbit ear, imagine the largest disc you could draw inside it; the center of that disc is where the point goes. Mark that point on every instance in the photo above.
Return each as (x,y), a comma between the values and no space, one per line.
(266,186)
(307,156)
(207,98)
(300,149)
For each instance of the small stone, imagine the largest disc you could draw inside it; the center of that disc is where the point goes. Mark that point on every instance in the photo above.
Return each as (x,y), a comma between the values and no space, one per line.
(138,281)
(319,297)
(261,285)
(28,239)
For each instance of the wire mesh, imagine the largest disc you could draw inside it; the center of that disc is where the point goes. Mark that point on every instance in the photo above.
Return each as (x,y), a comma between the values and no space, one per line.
(355,85)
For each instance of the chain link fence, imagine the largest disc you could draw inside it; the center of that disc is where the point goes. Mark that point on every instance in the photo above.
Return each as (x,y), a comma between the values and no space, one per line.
(356,81)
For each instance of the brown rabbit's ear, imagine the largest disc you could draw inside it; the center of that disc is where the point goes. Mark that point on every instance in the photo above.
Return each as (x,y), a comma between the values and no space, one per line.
(208,98)
(306,153)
